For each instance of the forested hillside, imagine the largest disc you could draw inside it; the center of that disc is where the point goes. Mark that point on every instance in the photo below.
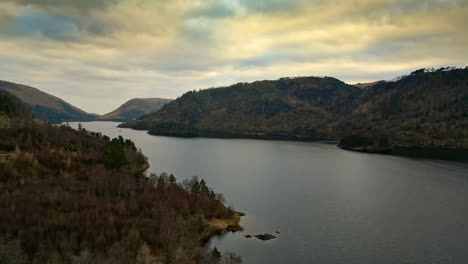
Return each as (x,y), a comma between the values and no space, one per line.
(306,107)
(71,196)
(45,106)
(427,108)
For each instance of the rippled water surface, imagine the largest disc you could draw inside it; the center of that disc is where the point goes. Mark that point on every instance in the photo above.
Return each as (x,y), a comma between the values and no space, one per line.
(330,205)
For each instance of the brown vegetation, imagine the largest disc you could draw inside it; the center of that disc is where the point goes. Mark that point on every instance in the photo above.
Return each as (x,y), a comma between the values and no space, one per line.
(71,196)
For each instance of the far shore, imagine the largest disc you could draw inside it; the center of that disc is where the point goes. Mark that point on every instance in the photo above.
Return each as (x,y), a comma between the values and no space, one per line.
(428,152)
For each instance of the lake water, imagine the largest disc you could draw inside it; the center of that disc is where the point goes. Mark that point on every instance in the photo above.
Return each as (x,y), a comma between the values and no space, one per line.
(330,205)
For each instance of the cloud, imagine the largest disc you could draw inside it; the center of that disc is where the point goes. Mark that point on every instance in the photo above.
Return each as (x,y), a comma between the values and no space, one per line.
(216,9)
(98,53)
(274,6)
(82,5)
(36,23)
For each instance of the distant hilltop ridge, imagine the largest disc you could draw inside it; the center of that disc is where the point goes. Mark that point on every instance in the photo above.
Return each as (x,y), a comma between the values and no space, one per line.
(55,110)
(427,108)
(45,106)
(134,108)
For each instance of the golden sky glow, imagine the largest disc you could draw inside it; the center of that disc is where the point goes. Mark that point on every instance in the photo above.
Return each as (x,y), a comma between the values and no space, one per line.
(97,54)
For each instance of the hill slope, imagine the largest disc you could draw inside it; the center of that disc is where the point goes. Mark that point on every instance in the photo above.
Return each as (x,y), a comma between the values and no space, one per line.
(70,196)
(305,107)
(426,109)
(134,109)
(45,106)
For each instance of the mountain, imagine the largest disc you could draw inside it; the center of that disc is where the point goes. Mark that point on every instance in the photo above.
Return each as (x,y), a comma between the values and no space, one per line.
(12,107)
(45,106)
(134,109)
(424,109)
(304,107)
(69,196)
(427,108)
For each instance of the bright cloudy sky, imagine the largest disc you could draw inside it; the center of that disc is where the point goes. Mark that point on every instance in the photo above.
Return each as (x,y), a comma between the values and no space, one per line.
(96,54)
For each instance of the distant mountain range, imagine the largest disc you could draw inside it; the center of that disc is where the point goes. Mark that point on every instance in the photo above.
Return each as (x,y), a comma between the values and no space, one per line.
(55,110)
(427,108)
(134,108)
(45,106)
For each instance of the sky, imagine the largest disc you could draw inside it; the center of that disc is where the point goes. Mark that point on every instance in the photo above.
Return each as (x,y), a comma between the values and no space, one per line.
(97,54)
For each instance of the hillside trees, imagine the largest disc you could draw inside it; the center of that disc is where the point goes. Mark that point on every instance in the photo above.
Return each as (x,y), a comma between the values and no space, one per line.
(427,108)
(71,196)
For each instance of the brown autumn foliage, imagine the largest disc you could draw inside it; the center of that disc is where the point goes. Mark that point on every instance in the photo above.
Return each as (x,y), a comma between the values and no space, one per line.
(64,200)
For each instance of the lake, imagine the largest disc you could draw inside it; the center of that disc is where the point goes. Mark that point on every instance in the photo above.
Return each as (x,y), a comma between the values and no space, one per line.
(330,205)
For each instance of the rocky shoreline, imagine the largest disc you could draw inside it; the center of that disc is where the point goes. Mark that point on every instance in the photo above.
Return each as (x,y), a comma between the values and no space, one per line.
(219,226)
(141,169)
(265,236)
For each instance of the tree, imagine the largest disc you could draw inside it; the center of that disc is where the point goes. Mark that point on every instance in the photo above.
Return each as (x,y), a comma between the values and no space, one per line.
(194,186)
(220,198)
(204,190)
(153,178)
(172,179)
(114,154)
(215,254)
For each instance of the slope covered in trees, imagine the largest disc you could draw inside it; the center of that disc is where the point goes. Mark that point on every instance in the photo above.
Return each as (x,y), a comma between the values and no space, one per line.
(45,106)
(306,107)
(134,109)
(424,109)
(428,108)
(70,196)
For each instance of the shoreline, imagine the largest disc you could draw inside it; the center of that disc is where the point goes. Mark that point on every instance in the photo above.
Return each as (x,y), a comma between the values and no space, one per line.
(231,135)
(429,152)
(241,135)
(142,169)
(217,226)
